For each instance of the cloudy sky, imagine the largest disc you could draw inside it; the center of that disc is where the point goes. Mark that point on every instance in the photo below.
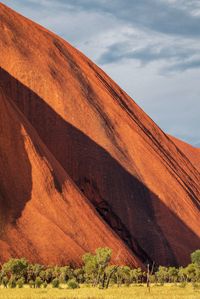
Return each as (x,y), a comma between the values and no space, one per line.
(151,48)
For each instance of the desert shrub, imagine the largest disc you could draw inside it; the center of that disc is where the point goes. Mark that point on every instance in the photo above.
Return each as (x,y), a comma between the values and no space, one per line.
(79,275)
(15,267)
(72,284)
(162,274)
(31,284)
(20,283)
(55,283)
(12,283)
(183,284)
(196,286)
(38,282)
(4,281)
(45,284)
(195,257)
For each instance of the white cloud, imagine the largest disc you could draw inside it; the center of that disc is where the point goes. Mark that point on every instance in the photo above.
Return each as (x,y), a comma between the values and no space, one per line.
(152,50)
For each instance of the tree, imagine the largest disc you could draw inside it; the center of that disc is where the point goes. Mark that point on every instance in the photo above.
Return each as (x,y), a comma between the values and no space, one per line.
(90,267)
(120,275)
(38,282)
(56,272)
(12,282)
(110,271)
(48,275)
(126,275)
(55,283)
(31,284)
(182,274)
(173,274)
(45,284)
(20,282)
(5,281)
(36,269)
(190,271)
(136,275)
(79,275)
(195,257)
(197,274)
(15,267)
(42,275)
(162,274)
(103,257)
(66,273)
(95,265)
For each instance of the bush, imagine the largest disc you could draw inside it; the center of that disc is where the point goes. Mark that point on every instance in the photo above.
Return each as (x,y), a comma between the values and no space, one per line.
(196,286)
(38,282)
(72,284)
(45,284)
(195,257)
(55,283)
(4,281)
(12,283)
(31,284)
(20,283)
(183,284)
(15,267)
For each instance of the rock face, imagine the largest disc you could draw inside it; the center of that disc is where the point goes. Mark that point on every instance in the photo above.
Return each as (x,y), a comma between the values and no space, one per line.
(93,157)
(191,152)
(41,209)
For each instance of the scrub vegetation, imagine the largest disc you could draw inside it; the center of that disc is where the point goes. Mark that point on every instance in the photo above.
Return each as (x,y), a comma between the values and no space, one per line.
(98,278)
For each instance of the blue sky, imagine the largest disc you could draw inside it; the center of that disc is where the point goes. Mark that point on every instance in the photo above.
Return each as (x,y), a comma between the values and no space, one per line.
(151,48)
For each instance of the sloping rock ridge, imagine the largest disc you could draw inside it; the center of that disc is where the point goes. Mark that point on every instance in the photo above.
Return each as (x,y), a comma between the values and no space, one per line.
(124,183)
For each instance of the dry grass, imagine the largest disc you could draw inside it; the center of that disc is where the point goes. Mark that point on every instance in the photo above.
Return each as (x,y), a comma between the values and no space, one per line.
(132,292)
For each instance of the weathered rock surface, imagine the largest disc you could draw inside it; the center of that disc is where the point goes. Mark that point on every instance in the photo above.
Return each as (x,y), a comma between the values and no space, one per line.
(137,178)
(191,152)
(44,217)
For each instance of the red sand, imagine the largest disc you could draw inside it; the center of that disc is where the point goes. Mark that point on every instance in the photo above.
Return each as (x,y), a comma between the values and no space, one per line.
(92,132)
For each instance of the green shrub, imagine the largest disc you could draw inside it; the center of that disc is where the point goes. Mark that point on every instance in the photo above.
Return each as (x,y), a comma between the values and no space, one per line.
(20,283)
(15,267)
(72,284)
(12,283)
(5,281)
(31,284)
(195,257)
(183,284)
(45,284)
(38,282)
(55,283)
(196,286)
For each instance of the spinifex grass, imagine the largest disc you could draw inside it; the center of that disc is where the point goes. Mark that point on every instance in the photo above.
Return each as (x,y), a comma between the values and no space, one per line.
(132,292)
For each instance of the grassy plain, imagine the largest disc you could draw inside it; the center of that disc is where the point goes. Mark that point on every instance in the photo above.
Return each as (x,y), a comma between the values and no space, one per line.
(167,291)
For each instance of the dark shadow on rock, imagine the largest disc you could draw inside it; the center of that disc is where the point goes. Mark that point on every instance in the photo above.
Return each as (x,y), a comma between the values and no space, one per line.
(124,202)
(15,168)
